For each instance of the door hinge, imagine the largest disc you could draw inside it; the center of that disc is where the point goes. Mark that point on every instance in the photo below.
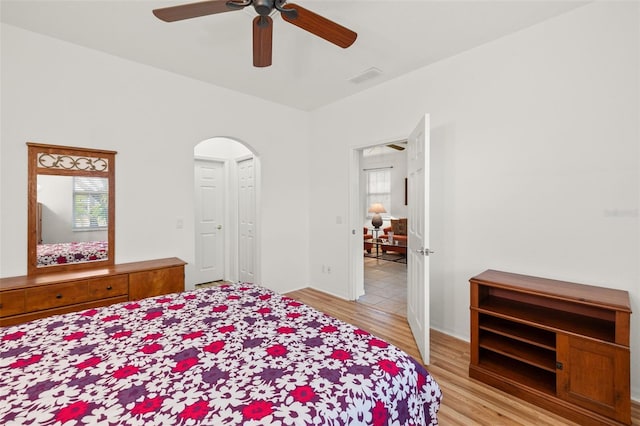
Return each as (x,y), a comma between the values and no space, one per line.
(425,251)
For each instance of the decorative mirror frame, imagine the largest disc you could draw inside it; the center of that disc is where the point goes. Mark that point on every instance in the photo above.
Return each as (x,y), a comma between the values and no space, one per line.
(68,161)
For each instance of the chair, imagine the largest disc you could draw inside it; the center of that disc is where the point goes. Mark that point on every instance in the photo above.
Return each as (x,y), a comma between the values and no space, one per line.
(399,229)
(367,236)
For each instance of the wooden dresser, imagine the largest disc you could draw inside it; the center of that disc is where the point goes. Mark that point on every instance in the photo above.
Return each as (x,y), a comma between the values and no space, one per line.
(559,345)
(26,298)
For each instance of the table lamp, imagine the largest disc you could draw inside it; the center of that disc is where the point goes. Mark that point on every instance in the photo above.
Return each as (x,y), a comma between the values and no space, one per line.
(376,220)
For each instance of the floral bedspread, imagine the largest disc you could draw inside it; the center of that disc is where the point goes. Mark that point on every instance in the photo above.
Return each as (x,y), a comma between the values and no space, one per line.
(59,253)
(231,355)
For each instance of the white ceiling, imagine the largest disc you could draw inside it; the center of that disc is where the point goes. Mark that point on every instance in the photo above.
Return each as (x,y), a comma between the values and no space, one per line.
(307,72)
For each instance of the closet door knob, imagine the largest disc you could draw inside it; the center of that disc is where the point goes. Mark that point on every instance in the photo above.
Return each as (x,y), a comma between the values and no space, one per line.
(58,296)
(109,287)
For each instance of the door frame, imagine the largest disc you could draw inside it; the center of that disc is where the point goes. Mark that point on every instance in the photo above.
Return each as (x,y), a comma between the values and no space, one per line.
(231,255)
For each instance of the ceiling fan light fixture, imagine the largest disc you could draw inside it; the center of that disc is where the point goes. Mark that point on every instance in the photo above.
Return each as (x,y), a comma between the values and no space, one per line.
(365,75)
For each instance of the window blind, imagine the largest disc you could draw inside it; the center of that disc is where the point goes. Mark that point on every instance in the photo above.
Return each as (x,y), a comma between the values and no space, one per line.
(90,203)
(379,188)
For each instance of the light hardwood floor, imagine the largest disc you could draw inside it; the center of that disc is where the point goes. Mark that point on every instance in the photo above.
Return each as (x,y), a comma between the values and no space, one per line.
(466,401)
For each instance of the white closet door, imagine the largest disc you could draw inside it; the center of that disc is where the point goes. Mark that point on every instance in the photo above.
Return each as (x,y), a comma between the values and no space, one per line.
(210,187)
(246,220)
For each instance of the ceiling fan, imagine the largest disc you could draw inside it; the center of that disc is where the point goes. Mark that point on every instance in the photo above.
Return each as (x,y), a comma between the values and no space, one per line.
(397,146)
(263,24)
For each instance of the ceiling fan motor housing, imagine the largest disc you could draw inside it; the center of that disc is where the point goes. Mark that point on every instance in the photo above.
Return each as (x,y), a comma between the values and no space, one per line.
(263,7)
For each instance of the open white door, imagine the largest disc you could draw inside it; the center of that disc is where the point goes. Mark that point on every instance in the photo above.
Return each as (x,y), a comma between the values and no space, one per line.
(209,209)
(418,231)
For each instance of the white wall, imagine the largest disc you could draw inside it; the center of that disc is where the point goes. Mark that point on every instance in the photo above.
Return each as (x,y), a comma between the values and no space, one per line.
(58,93)
(55,194)
(537,138)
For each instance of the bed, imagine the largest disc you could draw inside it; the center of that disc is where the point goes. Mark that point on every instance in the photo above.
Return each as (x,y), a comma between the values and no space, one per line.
(229,355)
(60,253)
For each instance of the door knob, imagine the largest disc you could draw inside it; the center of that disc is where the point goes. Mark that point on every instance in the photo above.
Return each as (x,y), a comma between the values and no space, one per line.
(219,226)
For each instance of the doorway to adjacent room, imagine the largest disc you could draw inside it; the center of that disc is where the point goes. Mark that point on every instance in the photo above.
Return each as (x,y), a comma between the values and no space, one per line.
(382,185)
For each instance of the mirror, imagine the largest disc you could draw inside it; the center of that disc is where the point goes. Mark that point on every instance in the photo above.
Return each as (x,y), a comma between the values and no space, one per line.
(71,223)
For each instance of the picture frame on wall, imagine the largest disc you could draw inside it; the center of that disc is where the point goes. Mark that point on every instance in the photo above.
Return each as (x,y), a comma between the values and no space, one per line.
(406,180)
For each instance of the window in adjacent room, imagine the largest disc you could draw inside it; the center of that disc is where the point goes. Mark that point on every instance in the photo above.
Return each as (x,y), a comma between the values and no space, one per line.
(90,203)
(379,188)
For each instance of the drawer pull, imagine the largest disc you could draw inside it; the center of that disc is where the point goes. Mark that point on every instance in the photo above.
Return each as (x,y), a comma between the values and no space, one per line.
(58,296)
(109,287)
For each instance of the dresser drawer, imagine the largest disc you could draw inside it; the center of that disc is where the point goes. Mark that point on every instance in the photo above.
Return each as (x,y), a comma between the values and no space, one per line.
(19,319)
(52,296)
(11,303)
(101,288)
(156,282)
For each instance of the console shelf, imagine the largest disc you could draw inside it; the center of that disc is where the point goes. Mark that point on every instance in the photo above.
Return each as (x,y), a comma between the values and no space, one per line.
(523,352)
(523,374)
(517,331)
(549,318)
(563,346)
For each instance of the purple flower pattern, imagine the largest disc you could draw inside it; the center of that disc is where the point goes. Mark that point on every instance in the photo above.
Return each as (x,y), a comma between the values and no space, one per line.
(236,354)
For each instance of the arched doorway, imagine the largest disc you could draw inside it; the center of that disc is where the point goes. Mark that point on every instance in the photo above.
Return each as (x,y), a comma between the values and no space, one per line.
(225,205)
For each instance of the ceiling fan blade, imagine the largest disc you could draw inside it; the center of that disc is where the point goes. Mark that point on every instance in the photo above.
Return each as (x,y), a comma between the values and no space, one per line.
(193,10)
(394,146)
(320,26)
(262,41)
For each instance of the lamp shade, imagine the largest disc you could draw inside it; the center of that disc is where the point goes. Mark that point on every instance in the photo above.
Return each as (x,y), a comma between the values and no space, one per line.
(377,208)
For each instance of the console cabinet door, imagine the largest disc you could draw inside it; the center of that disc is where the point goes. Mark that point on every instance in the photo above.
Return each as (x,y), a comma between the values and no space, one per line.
(594,375)
(156,282)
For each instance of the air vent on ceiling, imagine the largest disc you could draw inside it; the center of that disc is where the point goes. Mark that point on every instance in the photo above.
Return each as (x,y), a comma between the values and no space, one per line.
(372,72)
